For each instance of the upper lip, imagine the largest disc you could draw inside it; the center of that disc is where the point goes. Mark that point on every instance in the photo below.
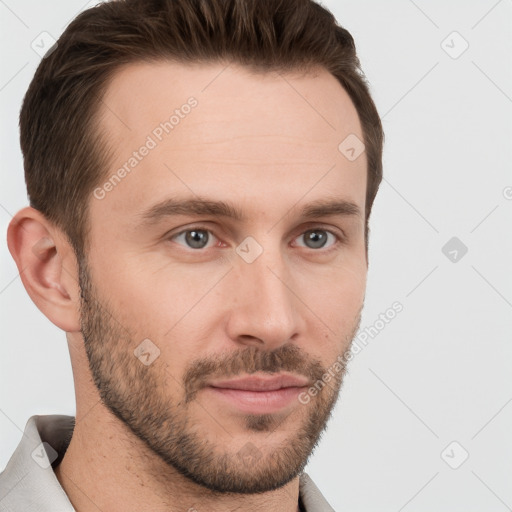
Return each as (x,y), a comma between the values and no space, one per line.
(262,383)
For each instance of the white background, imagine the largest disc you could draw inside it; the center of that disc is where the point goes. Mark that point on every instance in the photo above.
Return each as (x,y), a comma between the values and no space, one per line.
(441,370)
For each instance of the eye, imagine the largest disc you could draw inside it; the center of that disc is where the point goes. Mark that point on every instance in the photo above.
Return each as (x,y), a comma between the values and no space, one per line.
(195,238)
(317,238)
(199,238)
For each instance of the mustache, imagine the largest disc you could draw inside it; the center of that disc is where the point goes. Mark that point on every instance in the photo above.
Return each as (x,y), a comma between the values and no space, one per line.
(250,360)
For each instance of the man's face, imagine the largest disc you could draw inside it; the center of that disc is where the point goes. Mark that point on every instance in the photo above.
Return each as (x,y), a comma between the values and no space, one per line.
(177,301)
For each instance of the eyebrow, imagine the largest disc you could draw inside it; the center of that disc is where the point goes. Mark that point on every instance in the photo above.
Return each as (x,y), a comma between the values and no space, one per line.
(172,206)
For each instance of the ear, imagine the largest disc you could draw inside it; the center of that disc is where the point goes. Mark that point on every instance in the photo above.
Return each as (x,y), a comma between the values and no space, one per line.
(47,266)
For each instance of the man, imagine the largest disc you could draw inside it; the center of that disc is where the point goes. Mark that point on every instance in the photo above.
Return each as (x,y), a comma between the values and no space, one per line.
(201,176)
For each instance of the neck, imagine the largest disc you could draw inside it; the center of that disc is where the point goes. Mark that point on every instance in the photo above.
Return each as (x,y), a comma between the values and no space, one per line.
(107,468)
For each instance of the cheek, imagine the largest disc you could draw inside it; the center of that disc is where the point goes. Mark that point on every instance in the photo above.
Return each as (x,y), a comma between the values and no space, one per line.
(168,306)
(151,291)
(170,296)
(337,299)
(185,306)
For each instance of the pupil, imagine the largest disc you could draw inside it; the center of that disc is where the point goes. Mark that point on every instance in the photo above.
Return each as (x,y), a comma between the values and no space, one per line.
(318,239)
(197,239)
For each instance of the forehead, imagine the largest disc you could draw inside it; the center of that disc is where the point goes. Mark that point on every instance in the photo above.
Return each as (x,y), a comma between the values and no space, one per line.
(140,94)
(223,129)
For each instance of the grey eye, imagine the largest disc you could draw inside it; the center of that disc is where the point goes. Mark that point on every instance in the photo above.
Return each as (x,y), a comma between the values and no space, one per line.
(315,238)
(196,238)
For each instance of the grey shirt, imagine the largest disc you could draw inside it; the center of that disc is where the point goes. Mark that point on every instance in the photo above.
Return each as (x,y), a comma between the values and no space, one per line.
(29,484)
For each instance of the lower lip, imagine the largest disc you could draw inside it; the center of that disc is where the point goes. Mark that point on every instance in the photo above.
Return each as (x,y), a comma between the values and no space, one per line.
(257,402)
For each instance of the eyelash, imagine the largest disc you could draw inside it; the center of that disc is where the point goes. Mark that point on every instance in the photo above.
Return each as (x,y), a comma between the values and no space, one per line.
(340,239)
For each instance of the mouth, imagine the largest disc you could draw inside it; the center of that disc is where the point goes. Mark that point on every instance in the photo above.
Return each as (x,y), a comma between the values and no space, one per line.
(262,394)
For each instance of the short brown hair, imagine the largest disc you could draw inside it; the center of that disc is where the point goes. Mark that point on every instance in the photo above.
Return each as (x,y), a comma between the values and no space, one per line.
(65,153)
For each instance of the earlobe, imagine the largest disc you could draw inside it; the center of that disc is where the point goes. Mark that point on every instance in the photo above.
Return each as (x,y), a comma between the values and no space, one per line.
(47,267)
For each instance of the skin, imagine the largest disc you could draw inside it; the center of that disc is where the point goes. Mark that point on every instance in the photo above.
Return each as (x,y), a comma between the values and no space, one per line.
(153,437)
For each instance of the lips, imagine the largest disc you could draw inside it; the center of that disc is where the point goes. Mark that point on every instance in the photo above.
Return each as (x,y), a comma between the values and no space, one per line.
(262,382)
(258,394)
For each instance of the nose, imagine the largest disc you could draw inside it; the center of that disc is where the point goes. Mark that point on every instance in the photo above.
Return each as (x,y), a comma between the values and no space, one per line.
(265,310)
